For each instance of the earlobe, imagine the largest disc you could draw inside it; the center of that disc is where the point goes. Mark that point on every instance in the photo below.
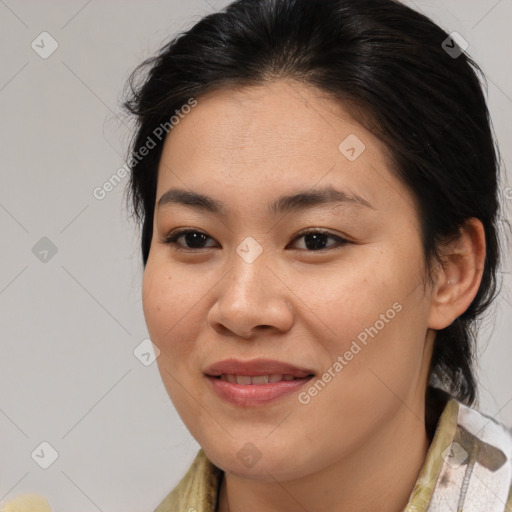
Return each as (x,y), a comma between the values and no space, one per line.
(459,275)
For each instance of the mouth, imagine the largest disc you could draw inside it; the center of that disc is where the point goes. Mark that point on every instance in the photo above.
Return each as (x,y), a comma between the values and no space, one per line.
(259,380)
(254,368)
(256,382)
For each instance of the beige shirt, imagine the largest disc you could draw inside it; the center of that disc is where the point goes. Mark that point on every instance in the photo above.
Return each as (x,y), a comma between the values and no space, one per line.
(467,468)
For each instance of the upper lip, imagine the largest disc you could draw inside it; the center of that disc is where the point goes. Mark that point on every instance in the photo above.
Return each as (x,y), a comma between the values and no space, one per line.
(256,367)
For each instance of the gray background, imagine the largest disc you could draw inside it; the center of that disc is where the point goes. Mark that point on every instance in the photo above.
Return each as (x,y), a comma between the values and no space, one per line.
(70,324)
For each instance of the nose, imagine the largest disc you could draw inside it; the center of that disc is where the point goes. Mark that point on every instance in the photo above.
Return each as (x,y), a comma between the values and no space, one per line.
(251,298)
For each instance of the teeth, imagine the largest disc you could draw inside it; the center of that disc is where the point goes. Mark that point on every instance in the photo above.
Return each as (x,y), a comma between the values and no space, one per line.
(260,379)
(256,379)
(243,379)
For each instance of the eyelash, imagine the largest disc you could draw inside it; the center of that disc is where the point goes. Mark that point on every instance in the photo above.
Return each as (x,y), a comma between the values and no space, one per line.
(171,239)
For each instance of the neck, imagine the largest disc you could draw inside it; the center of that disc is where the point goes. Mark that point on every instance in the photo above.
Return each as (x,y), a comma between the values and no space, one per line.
(379,475)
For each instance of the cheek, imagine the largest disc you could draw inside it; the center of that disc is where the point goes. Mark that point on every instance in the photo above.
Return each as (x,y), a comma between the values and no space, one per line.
(376,316)
(171,312)
(172,315)
(354,300)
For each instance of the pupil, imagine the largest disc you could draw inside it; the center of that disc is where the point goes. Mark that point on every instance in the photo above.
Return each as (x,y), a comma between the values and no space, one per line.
(316,242)
(194,237)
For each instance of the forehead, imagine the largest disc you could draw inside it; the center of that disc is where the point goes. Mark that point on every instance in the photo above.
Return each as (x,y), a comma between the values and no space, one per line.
(282,135)
(282,119)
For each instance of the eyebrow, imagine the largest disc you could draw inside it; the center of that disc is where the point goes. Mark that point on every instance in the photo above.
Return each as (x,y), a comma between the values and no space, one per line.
(301,200)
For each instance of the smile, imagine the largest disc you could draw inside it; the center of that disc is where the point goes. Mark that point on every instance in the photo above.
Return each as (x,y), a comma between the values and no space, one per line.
(257,380)
(256,391)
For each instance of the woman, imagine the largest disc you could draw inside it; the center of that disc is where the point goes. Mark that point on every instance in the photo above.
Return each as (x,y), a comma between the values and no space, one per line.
(317,187)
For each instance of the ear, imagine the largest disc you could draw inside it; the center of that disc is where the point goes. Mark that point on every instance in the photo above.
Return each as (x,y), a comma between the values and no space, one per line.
(458,277)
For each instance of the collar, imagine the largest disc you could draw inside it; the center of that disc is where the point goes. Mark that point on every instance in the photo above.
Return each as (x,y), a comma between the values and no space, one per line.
(467,468)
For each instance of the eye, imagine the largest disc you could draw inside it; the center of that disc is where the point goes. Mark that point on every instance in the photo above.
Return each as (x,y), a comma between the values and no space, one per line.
(314,240)
(192,237)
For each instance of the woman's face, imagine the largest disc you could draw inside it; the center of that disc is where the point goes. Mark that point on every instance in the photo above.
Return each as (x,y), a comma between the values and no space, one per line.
(347,305)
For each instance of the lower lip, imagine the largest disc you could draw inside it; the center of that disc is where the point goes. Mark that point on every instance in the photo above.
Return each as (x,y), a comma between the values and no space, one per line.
(251,395)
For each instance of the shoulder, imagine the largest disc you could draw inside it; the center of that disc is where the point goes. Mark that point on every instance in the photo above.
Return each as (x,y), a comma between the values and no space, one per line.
(477,464)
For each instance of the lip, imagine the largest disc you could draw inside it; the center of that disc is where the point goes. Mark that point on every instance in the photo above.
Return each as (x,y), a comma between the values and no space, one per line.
(254,395)
(256,367)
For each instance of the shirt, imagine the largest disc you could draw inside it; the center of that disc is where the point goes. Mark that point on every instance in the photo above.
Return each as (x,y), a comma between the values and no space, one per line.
(467,469)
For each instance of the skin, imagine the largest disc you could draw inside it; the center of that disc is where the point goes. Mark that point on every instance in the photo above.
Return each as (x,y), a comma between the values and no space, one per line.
(360,443)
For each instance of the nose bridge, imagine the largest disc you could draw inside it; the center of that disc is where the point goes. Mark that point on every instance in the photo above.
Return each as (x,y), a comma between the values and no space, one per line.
(250,294)
(248,275)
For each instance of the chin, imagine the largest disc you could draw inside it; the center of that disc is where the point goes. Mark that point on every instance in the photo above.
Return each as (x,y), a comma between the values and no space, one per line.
(264,464)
